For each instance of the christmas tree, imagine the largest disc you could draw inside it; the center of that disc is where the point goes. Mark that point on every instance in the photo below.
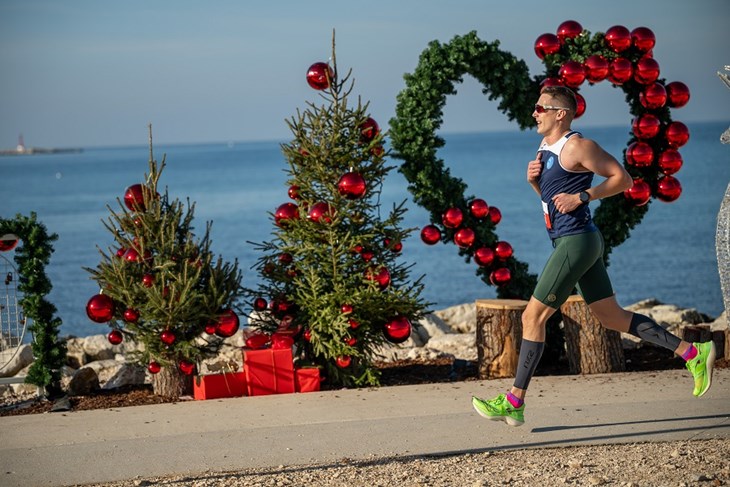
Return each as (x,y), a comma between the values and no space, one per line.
(162,287)
(331,276)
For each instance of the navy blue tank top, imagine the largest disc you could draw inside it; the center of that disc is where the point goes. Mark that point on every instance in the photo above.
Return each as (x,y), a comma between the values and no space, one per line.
(555,179)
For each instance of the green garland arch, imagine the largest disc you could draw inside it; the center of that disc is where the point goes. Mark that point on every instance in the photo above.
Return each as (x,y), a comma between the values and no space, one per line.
(419,114)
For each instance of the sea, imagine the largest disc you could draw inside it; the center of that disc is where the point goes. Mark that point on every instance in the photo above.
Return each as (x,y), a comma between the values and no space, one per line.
(237,186)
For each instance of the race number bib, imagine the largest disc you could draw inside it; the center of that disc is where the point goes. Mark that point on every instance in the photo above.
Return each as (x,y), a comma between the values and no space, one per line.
(548,224)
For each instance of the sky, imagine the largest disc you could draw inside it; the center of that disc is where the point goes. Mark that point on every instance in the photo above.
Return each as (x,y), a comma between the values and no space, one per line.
(85,73)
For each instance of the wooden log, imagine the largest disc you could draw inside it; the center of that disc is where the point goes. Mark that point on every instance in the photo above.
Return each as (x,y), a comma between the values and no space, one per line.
(719,337)
(591,348)
(499,333)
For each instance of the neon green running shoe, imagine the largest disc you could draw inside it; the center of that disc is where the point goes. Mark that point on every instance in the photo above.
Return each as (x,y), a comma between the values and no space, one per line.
(499,409)
(701,367)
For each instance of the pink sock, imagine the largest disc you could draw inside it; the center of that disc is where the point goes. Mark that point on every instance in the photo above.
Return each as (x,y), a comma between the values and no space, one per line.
(514,400)
(690,353)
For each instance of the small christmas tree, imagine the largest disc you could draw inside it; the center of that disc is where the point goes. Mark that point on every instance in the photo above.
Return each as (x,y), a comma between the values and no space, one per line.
(330,276)
(162,288)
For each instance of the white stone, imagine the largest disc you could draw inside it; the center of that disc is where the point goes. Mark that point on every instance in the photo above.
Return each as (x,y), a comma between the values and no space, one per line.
(460,345)
(461,318)
(104,369)
(430,326)
(22,358)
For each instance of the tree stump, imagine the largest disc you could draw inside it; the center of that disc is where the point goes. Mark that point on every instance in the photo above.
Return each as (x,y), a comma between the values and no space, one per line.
(591,348)
(499,333)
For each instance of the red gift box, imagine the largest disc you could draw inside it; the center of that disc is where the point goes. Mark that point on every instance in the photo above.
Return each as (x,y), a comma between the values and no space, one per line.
(307,379)
(269,371)
(215,386)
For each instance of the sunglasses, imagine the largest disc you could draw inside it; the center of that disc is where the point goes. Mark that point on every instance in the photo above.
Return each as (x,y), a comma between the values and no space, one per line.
(544,108)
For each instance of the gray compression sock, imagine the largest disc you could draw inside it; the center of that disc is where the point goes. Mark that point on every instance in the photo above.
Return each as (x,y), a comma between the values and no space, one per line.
(530,353)
(648,330)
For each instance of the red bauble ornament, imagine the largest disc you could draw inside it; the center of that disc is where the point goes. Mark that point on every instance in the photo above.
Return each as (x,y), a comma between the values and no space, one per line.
(654,96)
(464,237)
(646,126)
(167,337)
(430,234)
(580,107)
(495,215)
(8,242)
(100,308)
(131,315)
(186,367)
(319,76)
(352,185)
(452,218)
(546,44)
(369,129)
(367,255)
(569,29)
(132,256)
(134,198)
(551,82)
(640,154)
(643,39)
(484,256)
(646,71)
(154,367)
(572,74)
(343,361)
(257,341)
(259,304)
(307,335)
(115,337)
(618,38)
(639,193)
(670,161)
(351,341)
(210,328)
(620,71)
(397,330)
(668,189)
(381,276)
(227,324)
(346,309)
(285,258)
(321,213)
(677,134)
(354,324)
(148,280)
(285,213)
(503,250)
(120,252)
(596,68)
(500,277)
(678,94)
(479,208)
(293,192)
(393,246)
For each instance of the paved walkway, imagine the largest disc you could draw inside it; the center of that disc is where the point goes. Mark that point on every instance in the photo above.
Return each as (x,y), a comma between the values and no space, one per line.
(59,449)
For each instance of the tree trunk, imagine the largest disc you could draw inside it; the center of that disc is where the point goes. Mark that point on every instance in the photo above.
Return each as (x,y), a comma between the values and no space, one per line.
(591,348)
(499,333)
(170,382)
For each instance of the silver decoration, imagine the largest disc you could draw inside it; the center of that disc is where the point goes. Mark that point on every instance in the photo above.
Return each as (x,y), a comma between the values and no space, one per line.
(722,236)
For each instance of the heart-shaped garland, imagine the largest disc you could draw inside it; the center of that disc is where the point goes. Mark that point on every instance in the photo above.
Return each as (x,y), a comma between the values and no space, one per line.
(572,56)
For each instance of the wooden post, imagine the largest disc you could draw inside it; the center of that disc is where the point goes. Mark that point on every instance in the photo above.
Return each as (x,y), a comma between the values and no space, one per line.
(591,348)
(499,333)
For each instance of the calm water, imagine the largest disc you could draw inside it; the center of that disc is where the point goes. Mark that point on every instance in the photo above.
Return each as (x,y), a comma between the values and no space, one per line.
(670,256)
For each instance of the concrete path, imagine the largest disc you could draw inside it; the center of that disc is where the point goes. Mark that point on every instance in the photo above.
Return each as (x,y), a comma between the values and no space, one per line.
(59,449)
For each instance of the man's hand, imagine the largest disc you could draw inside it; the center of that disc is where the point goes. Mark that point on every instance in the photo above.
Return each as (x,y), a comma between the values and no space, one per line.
(565,203)
(534,168)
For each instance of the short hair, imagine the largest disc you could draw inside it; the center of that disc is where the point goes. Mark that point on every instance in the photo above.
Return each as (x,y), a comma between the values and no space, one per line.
(564,95)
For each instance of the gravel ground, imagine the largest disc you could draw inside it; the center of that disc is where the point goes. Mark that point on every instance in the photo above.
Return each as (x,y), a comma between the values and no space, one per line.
(677,464)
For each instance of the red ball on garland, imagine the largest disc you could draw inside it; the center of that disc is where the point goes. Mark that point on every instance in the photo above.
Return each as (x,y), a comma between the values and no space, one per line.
(321,213)
(643,39)
(307,335)
(484,256)
(452,218)
(320,75)
(8,242)
(654,96)
(580,103)
(677,134)
(132,256)
(293,192)
(464,237)
(639,154)
(100,308)
(646,126)
(397,330)
(167,337)
(618,38)
(668,189)
(646,71)
(670,161)
(148,280)
(285,213)
(596,68)
(500,277)
(134,198)
(430,234)
(503,250)
(259,304)
(131,315)
(620,71)
(495,215)
(479,208)
(343,361)
(354,324)
(186,367)
(227,324)
(678,94)
(572,74)
(546,45)
(115,337)
(154,367)
(346,309)
(381,276)
(569,29)
(352,185)
(369,129)
(639,193)
(351,341)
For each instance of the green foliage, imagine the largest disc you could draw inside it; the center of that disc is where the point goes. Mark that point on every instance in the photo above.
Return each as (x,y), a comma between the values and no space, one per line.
(32,256)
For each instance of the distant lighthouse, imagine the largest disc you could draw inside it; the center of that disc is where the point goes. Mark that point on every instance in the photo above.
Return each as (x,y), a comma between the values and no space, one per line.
(21,145)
